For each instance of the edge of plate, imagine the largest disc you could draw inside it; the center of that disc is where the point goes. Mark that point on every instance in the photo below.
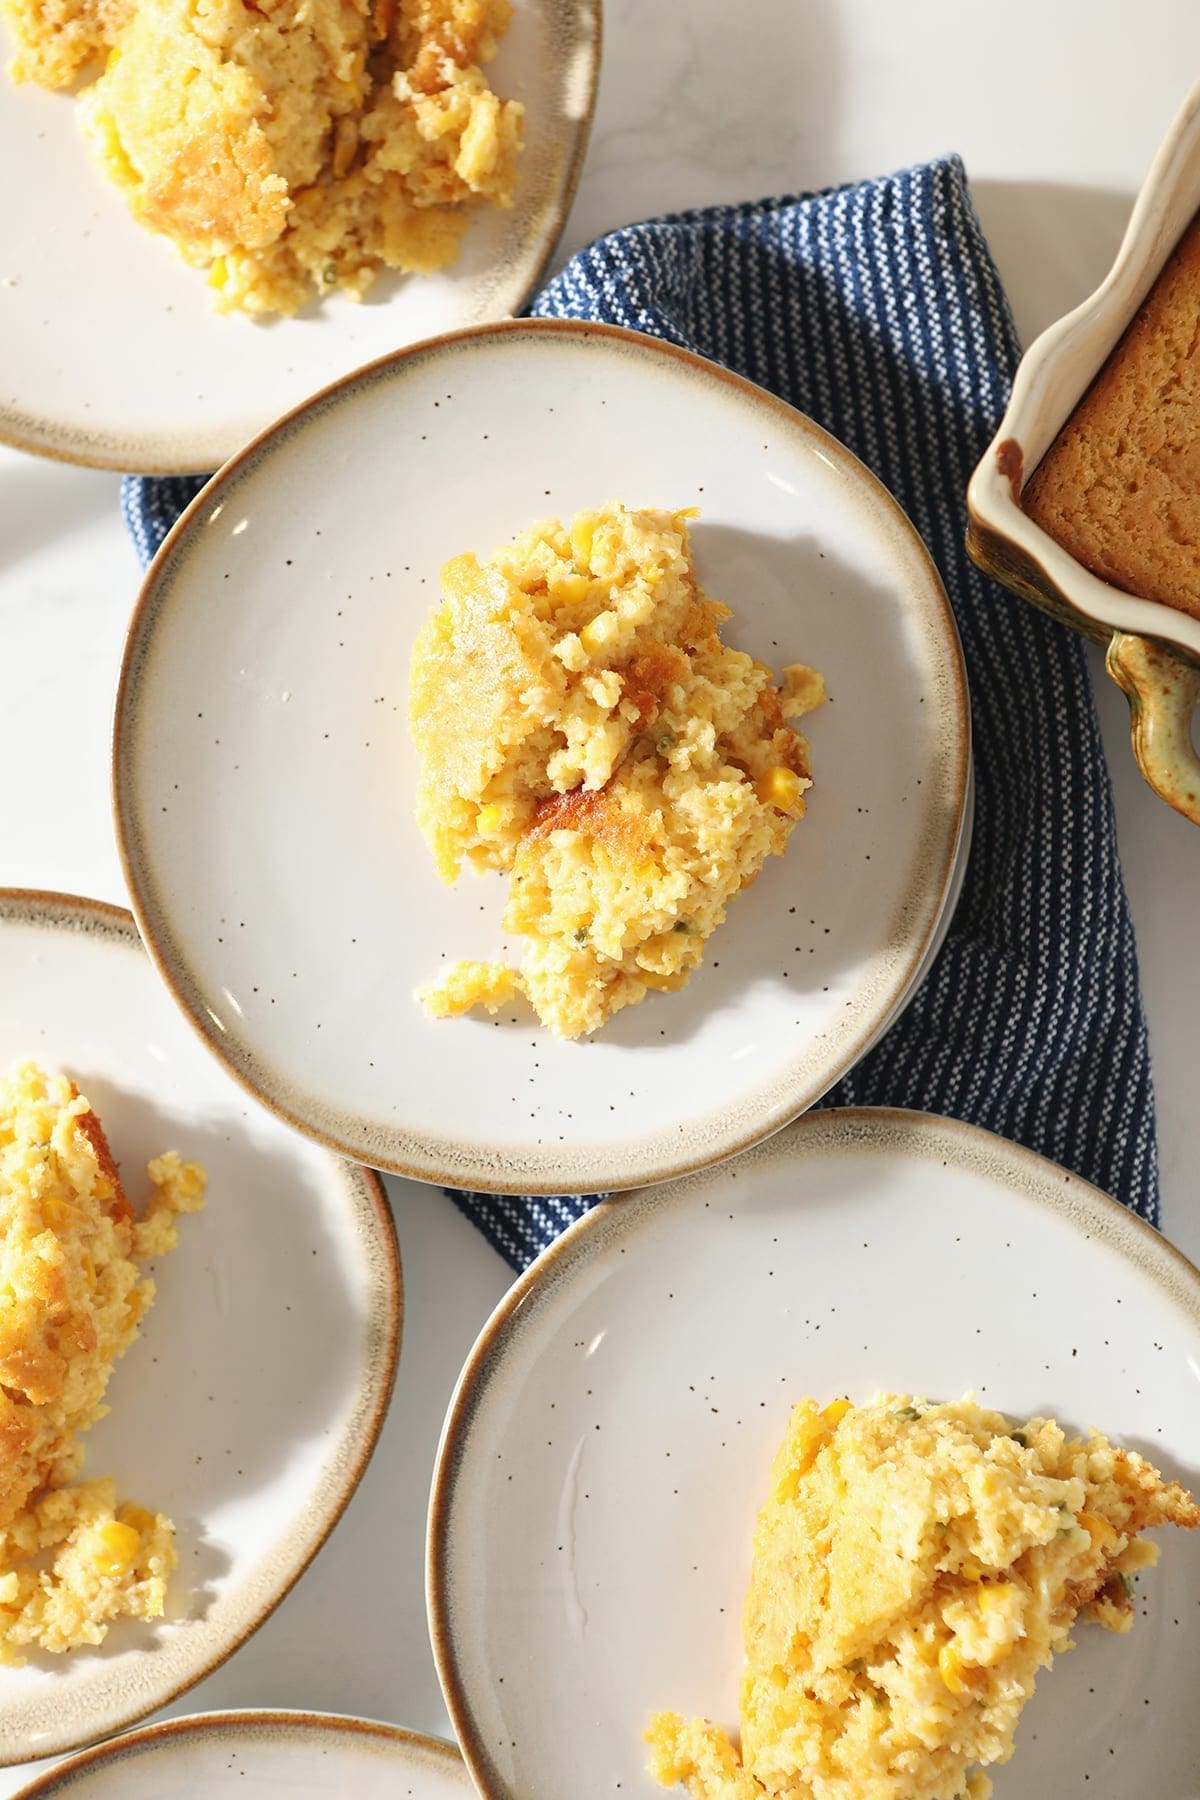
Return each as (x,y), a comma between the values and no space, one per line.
(594,1171)
(52,910)
(63,1777)
(96,450)
(1025,1171)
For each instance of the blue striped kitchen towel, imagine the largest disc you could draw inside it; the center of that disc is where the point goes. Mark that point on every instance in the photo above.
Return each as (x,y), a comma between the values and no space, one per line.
(877,310)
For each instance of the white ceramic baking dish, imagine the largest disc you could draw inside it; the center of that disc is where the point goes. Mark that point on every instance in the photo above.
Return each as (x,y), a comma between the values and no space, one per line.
(1153,650)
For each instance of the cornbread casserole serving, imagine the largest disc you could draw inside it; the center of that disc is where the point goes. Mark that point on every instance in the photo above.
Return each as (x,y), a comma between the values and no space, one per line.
(289,149)
(583,729)
(72,1291)
(914,1567)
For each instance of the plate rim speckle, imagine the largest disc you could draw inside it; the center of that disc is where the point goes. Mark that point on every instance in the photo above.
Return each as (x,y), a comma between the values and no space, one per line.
(537,1171)
(140,452)
(55,912)
(65,1776)
(1066,1195)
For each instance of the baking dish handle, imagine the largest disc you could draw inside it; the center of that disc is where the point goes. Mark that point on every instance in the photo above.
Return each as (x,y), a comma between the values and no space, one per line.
(1163,692)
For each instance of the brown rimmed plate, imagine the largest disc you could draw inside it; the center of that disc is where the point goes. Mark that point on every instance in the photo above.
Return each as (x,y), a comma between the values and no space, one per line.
(308,1756)
(251,1401)
(265,780)
(110,352)
(610,1440)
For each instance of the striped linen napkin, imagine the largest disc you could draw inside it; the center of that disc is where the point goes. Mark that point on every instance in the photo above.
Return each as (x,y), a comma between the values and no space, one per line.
(877,310)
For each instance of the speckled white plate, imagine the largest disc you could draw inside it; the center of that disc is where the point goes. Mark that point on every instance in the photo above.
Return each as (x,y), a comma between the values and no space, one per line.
(307,1756)
(251,1401)
(110,353)
(608,1446)
(265,780)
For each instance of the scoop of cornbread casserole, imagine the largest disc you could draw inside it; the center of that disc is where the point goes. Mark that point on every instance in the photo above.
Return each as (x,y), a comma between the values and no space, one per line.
(289,149)
(72,1290)
(582,728)
(914,1567)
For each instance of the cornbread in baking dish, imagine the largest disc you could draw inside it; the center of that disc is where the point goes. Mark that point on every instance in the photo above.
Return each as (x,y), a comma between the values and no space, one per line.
(72,1290)
(583,729)
(914,1567)
(288,149)
(1119,488)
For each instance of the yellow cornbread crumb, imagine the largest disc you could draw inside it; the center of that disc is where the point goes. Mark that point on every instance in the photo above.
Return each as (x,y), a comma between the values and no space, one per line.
(914,1567)
(466,984)
(287,149)
(71,1294)
(582,727)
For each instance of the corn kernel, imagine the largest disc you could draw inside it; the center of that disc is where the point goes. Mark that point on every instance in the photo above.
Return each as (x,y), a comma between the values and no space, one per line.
(950,1666)
(116,1547)
(778,787)
(491,820)
(572,587)
(971,1571)
(806,1437)
(582,533)
(994,1595)
(137,1516)
(113,154)
(218,275)
(663,984)
(58,1213)
(1099,1530)
(593,637)
(835,1412)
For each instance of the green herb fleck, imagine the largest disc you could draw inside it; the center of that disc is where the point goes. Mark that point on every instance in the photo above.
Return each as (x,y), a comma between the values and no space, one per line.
(580,934)
(683,925)
(908,1412)
(666,740)
(1127,1584)
(1018,1437)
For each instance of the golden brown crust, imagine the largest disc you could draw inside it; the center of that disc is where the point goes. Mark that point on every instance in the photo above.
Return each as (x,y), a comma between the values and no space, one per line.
(118,1207)
(1151,1500)
(1119,488)
(650,674)
(597,815)
(18,1429)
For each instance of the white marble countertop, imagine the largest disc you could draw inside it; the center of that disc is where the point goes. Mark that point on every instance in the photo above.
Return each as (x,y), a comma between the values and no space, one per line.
(1056,109)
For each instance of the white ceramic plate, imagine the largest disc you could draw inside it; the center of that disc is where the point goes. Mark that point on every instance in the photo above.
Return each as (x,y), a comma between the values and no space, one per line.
(250,1404)
(264,777)
(307,1756)
(110,353)
(608,1446)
